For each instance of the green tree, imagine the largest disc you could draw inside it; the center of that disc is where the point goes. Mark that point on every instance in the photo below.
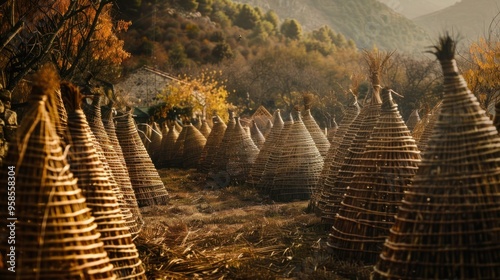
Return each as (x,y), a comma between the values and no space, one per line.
(205,6)
(177,56)
(292,29)
(273,18)
(247,18)
(221,51)
(189,5)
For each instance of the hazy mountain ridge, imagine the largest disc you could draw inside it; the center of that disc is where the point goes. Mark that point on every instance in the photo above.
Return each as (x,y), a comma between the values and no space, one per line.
(367,22)
(412,9)
(470,19)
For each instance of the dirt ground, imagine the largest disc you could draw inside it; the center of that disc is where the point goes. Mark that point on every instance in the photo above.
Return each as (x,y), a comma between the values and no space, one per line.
(234,233)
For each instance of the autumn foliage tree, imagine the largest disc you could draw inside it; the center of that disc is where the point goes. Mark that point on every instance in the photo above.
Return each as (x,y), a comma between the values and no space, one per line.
(78,36)
(204,95)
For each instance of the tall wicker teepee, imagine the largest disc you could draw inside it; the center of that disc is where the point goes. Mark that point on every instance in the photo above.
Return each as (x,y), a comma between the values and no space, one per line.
(385,172)
(147,184)
(193,147)
(353,143)
(257,136)
(56,234)
(447,226)
(167,149)
(413,119)
(118,171)
(261,161)
(102,194)
(212,144)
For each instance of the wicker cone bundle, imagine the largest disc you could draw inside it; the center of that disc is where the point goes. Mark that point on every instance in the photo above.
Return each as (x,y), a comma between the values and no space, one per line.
(267,129)
(257,136)
(118,172)
(146,182)
(241,154)
(155,145)
(193,147)
(300,165)
(331,132)
(56,237)
(423,132)
(271,141)
(413,119)
(447,226)
(345,160)
(266,180)
(317,134)
(221,158)
(145,131)
(168,148)
(100,190)
(385,171)
(352,112)
(63,117)
(212,144)
(205,128)
(177,159)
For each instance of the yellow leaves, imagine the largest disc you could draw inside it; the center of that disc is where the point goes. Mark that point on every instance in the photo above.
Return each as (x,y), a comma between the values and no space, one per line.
(205,94)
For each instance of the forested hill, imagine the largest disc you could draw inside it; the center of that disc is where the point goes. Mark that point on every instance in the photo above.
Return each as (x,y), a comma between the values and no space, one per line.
(367,22)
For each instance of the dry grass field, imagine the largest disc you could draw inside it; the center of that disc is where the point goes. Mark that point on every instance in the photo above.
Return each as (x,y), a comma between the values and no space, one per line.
(234,233)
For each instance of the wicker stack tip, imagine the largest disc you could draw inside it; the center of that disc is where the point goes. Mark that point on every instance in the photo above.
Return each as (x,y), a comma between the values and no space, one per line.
(257,136)
(205,128)
(193,147)
(447,226)
(266,179)
(272,140)
(177,159)
(424,129)
(102,194)
(317,134)
(57,233)
(331,131)
(155,144)
(267,129)
(118,172)
(146,182)
(413,119)
(218,166)
(261,116)
(212,144)
(167,149)
(351,113)
(299,165)
(370,202)
(145,131)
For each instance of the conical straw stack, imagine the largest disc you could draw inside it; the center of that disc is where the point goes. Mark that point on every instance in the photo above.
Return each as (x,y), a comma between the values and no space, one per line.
(100,190)
(257,136)
(331,131)
(146,182)
(422,136)
(413,119)
(205,128)
(168,148)
(266,181)
(299,166)
(447,226)
(221,158)
(385,171)
(212,144)
(177,159)
(317,134)
(118,172)
(261,161)
(55,232)
(155,145)
(193,147)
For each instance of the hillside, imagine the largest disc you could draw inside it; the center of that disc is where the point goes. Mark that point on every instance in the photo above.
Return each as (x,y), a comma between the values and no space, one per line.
(367,22)
(469,18)
(412,9)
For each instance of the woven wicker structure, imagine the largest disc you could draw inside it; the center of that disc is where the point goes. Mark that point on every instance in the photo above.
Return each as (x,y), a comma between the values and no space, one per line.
(267,129)
(385,171)
(271,141)
(145,132)
(212,144)
(177,159)
(155,145)
(193,147)
(167,149)
(241,154)
(146,182)
(118,172)
(341,168)
(205,128)
(257,136)
(299,167)
(351,113)
(317,134)
(63,117)
(221,158)
(447,226)
(261,116)
(266,180)
(55,232)
(331,131)
(413,119)
(424,129)
(102,194)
